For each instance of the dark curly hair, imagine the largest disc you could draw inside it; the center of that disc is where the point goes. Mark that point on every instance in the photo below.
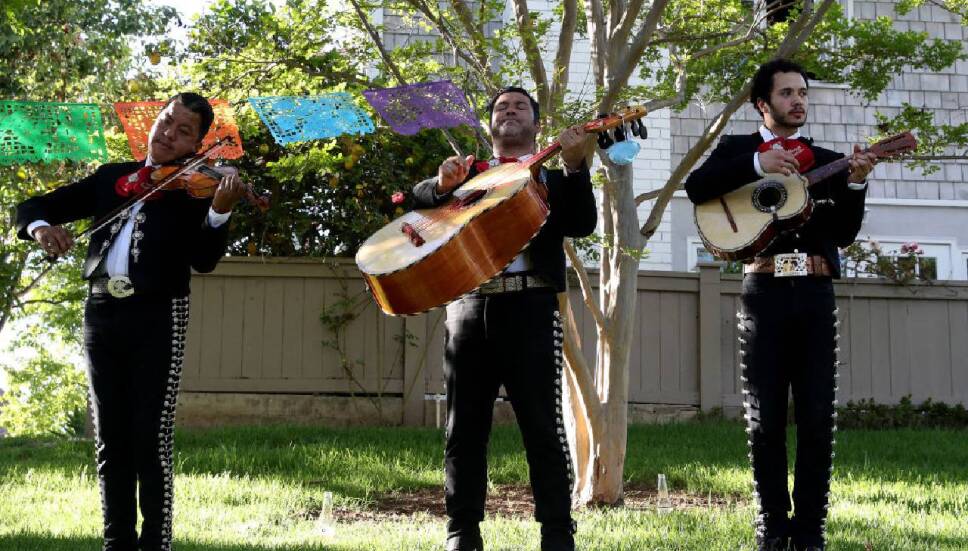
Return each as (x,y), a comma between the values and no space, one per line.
(763,79)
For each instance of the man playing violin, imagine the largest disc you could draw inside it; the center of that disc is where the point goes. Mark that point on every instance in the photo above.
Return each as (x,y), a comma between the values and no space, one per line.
(138,269)
(509,332)
(788,326)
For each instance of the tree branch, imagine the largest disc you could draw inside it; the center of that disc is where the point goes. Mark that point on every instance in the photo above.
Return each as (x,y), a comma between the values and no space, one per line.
(566,37)
(596,30)
(728,44)
(532,53)
(484,74)
(620,34)
(650,195)
(629,61)
(575,360)
(378,42)
(587,292)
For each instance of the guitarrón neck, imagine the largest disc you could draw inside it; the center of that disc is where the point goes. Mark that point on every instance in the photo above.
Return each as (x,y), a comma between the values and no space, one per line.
(543,155)
(826,171)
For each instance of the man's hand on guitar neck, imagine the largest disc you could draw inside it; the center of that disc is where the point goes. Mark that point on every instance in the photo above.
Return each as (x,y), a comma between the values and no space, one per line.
(574,146)
(861,164)
(452,173)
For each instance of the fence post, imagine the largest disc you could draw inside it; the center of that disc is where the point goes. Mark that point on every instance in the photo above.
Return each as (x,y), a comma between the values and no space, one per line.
(414,387)
(710,335)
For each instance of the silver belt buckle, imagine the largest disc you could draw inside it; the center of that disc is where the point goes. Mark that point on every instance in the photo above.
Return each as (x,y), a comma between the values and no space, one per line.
(120,286)
(790,265)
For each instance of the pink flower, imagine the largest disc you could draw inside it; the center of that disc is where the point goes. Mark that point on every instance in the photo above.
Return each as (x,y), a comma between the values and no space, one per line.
(397,197)
(911,248)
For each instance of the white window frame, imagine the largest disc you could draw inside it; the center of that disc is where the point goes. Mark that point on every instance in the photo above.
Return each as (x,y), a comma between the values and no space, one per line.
(944,250)
(692,258)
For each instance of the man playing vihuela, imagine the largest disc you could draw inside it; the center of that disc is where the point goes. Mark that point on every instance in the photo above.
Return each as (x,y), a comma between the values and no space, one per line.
(788,325)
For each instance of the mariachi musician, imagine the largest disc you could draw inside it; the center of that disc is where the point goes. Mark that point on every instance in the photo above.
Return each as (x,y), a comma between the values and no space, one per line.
(509,332)
(138,269)
(788,326)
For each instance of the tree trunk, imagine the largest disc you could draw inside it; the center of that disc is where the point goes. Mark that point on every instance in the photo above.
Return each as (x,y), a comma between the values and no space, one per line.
(600,434)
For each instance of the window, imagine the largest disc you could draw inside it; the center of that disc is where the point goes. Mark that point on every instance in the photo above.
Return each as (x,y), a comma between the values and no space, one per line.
(697,253)
(925,268)
(935,262)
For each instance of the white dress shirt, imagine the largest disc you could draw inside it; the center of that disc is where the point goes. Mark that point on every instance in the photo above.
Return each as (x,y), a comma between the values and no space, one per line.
(119,253)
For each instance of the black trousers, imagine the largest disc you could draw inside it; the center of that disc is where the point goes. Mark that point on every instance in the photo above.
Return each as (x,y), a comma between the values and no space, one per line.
(510,339)
(788,337)
(135,348)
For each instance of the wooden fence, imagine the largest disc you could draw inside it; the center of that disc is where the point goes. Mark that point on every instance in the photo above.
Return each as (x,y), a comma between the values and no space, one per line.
(255,328)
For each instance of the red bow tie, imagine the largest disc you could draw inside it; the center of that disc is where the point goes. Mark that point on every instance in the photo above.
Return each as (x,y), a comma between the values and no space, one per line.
(135,183)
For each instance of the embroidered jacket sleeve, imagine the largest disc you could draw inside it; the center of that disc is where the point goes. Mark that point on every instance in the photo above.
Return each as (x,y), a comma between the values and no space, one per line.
(67,203)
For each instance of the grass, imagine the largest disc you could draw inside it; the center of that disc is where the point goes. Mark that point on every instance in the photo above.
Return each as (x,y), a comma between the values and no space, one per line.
(254,489)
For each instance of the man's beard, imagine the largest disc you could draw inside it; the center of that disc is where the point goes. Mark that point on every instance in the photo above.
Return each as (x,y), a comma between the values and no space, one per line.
(517,136)
(787,121)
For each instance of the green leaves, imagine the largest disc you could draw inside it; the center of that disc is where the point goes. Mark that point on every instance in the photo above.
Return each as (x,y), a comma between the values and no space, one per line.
(47,396)
(934,140)
(957,7)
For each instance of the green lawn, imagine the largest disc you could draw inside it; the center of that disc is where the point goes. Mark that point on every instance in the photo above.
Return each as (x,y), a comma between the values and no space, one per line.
(260,488)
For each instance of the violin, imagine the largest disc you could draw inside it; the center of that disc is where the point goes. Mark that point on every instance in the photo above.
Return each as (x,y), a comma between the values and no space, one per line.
(200,182)
(197,175)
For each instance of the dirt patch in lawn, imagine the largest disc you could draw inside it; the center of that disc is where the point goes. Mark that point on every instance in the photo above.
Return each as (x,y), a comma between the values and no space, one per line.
(507,501)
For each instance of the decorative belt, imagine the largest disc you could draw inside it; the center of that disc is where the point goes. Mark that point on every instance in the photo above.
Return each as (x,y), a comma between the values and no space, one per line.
(513,283)
(794,264)
(116,286)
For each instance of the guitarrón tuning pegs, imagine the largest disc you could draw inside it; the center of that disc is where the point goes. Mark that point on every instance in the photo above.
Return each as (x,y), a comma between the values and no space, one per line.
(638,129)
(605,141)
(620,133)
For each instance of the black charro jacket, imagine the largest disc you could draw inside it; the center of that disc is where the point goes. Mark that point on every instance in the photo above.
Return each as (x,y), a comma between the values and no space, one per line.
(176,239)
(573,213)
(836,217)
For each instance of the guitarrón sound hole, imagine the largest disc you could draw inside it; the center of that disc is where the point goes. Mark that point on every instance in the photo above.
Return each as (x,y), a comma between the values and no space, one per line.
(769,196)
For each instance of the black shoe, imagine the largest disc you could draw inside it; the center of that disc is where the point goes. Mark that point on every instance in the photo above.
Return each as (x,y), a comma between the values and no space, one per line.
(558,537)
(774,544)
(796,547)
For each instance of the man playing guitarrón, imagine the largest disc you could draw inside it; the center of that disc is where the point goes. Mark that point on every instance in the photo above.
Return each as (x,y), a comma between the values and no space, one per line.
(788,326)
(136,315)
(509,332)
